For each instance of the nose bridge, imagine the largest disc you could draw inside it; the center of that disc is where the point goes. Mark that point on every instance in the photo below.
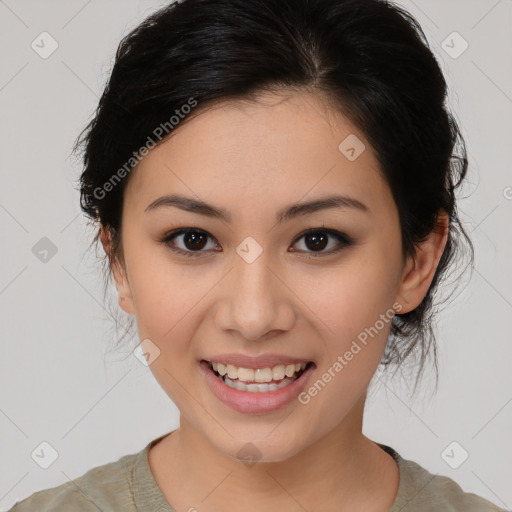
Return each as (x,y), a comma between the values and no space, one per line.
(253,292)
(253,279)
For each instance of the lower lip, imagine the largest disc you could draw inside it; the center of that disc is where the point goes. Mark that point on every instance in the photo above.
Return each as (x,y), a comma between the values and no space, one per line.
(254,402)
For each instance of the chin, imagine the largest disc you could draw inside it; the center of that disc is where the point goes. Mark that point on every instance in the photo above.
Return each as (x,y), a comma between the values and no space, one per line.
(262,448)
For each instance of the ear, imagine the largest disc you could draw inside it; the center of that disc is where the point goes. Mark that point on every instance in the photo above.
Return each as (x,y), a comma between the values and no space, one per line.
(125,299)
(420,268)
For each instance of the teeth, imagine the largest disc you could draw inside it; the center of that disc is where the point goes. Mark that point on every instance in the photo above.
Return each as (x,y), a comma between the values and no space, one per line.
(257,388)
(232,371)
(260,375)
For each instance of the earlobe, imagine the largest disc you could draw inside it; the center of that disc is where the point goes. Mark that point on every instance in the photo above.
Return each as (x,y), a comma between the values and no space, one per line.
(124,294)
(125,299)
(420,268)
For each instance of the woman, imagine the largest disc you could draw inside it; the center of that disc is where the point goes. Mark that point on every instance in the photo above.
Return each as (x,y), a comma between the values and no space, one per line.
(274,187)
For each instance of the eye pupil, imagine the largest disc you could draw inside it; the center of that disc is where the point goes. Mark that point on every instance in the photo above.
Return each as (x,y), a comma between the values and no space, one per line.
(194,239)
(319,240)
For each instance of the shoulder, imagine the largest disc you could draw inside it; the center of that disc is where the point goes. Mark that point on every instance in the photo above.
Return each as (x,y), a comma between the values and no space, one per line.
(422,491)
(106,488)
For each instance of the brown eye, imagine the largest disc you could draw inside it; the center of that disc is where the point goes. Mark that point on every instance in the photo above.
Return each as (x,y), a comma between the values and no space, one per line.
(193,241)
(316,240)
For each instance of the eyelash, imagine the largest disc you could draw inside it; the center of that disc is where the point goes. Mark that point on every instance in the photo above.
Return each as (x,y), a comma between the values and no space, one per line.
(345,240)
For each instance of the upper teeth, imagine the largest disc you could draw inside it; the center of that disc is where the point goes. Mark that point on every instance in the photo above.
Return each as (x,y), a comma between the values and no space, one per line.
(260,374)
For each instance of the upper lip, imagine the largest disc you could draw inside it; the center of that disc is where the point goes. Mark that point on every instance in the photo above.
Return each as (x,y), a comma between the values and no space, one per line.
(263,361)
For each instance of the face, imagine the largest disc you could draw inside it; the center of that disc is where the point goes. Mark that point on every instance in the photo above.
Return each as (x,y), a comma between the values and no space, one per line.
(317,285)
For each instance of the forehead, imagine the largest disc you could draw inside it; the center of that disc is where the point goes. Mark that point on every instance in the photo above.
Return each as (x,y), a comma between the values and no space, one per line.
(280,148)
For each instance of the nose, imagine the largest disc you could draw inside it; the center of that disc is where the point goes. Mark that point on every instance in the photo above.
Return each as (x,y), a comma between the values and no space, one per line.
(255,300)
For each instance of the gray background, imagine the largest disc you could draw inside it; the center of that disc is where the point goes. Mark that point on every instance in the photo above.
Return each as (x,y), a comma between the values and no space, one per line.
(62,386)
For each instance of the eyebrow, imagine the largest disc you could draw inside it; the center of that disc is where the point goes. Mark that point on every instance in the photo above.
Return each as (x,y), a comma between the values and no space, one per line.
(287,213)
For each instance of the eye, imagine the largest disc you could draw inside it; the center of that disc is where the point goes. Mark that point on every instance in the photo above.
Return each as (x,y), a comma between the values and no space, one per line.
(318,238)
(194,240)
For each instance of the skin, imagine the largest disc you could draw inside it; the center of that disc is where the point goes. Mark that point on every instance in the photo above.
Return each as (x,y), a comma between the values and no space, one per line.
(254,158)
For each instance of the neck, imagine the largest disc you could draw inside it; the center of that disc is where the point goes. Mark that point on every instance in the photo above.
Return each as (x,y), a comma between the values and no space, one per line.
(343,470)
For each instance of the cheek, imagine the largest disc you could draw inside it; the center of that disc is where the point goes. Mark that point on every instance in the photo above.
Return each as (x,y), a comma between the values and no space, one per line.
(354,294)
(353,306)
(162,292)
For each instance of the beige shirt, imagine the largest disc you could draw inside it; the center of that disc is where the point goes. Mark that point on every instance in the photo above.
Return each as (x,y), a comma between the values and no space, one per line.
(128,485)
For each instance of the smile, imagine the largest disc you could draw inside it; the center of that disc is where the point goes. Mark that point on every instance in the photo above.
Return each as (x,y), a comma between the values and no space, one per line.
(258,380)
(264,388)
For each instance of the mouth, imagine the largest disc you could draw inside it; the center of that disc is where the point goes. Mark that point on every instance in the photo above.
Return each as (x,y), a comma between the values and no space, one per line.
(258,380)
(257,390)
